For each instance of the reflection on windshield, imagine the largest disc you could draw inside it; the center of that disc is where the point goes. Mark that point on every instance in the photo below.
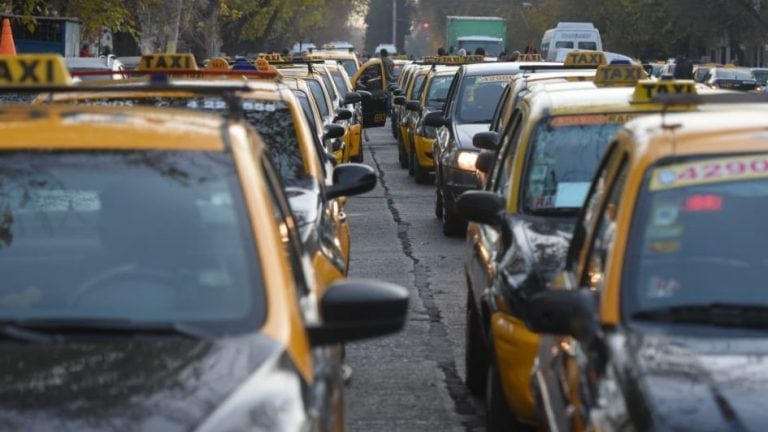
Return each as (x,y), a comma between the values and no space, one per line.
(272,120)
(562,158)
(700,244)
(139,236)
(479,96)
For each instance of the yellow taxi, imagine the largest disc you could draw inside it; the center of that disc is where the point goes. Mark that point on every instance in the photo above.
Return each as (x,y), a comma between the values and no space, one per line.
(405,117)
(351,100)
(347,59)
(157,247)
(661,291)
(274,111)
(370,78)
(524,218)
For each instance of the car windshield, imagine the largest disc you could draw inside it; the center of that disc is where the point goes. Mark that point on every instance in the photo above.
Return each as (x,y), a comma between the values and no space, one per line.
(319,95)
(134,236)
(479,96)
(438,91)
(273,121)
(562,158)
(698,236)
(761,76)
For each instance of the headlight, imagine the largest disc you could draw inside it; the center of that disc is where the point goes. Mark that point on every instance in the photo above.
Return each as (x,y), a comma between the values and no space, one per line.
(428,132)
(466,160)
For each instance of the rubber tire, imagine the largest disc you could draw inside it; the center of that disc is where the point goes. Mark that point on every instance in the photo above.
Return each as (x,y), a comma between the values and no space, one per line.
(420,175)
(498,417)
(475,354)
(453,226)
(402,156)
(359,158)
(438,203)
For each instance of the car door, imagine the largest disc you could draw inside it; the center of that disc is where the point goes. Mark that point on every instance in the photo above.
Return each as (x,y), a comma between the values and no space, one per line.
(370,77)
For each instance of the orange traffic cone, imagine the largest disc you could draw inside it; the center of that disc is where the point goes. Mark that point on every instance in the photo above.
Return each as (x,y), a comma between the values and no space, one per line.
(7,46)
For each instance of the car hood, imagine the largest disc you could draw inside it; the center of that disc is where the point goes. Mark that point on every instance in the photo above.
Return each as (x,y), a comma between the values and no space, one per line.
(703,384)
(465,133)
(168,384)
(547,239)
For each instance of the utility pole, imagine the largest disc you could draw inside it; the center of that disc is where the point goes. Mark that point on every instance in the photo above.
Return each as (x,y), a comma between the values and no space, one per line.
(394,23)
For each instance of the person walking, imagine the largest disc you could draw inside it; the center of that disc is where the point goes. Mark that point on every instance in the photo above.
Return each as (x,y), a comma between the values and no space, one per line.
(530,49)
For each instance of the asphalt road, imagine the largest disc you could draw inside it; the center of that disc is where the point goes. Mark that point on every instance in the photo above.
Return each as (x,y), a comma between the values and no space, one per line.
(412,381)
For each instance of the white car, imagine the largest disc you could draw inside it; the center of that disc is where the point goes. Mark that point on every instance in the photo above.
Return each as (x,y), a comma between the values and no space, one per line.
(103,63)
(391,49)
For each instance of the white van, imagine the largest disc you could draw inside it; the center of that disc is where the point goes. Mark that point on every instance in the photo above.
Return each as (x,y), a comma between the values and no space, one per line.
(569,36)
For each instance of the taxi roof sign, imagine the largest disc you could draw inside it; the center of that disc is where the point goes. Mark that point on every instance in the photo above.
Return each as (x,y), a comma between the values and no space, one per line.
(619,75)
(166,62)
(272,57)
(647,90)
(530,58)
(453,59)
(218,63)
(29,70)
(585,59)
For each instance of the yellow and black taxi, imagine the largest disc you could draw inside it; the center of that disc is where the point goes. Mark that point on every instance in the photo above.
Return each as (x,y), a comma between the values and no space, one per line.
(153,278)
(405,85)
(351,100)
(659,309)
(431,97)
(272,109)
(371,78)
(468,109)
(346,58)
(523,219)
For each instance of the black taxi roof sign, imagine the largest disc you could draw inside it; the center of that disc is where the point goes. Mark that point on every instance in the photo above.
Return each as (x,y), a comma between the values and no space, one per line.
(647,90)
(28,70)
(167,62)
(619,75)
(585,59)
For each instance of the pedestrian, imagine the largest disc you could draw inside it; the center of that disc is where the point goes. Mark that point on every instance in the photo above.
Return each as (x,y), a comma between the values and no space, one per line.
(514,56)
(389,65)
(683,68)
(480,51)
(441,51)
(85,51)
(462,52)
(530,49)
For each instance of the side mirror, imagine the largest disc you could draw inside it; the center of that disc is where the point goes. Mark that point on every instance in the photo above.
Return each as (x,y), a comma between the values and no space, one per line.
(365,95)
(342,114)
(333,131)
(352,98)
(413,105)
(359,309)
(398,100)
(563,312)
(484,161)
(481,206)
(486,140)
(435,119)
(351,179)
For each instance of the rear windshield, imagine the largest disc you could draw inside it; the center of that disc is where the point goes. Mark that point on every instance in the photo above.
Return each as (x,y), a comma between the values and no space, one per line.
(562,158)
(143,237)
(564,44)
(698,236)
(438,91)
(479,96)
(272,120)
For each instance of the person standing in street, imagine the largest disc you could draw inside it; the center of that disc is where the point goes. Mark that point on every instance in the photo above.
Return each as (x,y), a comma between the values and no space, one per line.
(389,65)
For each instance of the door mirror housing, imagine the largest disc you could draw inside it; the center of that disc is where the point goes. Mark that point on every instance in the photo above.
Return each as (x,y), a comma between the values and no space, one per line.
(351,179)
(435,119)
(483,207)
(398,100)
(359,309)
(413,105)
(333,131)
(352,98)
(563,312)
(484,161)
(486,140)
(342,114)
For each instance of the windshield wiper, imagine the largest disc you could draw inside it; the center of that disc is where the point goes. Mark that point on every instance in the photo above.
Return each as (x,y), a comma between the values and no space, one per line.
(49,329)
(718,314)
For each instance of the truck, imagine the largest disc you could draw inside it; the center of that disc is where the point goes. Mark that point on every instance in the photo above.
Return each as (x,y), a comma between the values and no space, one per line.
(470,33)
(568,36)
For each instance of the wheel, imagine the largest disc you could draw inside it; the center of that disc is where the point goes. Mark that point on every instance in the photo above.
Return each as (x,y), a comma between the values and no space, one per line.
(475,355)
(402,156)
(453,225)
(498,418)
(438,203)
(420,174)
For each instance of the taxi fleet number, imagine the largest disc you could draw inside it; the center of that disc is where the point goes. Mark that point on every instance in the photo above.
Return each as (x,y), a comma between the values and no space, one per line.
(28,72)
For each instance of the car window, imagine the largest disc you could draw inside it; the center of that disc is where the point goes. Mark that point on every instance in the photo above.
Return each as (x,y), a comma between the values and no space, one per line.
(319,94)
(478,98)
(416,87)
(564,44)
(306,108)
(138,236)
(438,91)
(502,167)
(328,81)
(592,46)
(698,235)
(349,66)
(341,86)
(273,120)
(563,155)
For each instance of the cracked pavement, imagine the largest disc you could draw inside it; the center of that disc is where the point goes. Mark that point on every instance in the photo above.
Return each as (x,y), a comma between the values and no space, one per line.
(412,381)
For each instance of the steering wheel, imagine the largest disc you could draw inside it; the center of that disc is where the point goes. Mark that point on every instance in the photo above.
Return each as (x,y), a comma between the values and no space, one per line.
(122,278)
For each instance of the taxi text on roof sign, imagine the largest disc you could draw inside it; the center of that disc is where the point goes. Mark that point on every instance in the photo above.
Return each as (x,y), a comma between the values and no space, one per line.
(619,75)
(164,62)
(272,57)
(585,58)
(25,70)
(530,58)
(218,63)
(645,91)
(453,59)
